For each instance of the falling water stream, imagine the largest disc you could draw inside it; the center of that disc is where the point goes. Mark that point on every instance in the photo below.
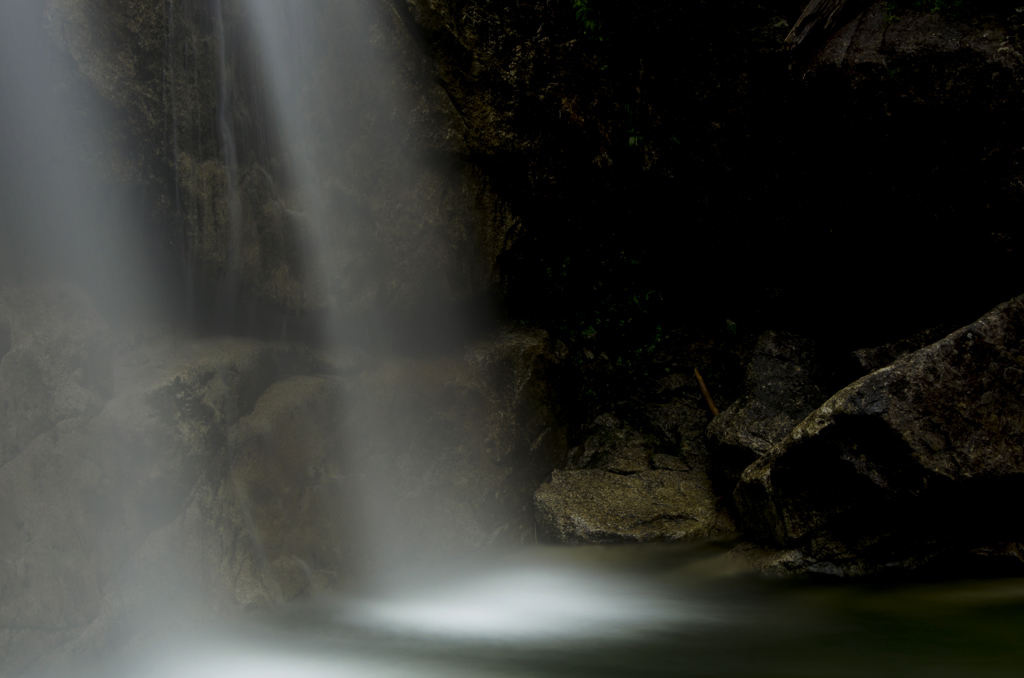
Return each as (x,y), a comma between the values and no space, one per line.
(630,611)
(228,290)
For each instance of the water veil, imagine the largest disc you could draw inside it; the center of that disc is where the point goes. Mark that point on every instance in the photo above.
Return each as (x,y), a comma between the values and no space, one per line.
(332,101)
(341,168)
(70,204)
(257,418)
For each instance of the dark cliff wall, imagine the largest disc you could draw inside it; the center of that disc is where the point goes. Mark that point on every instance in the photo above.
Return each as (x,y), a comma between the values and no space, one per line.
(602,169)
(171,111)
(677,151)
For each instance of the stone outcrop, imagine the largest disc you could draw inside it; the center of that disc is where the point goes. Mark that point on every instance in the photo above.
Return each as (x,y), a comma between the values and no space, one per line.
(87,499)
(55,363)
(784,383)
(915,464)
(219,476)
(621,486)
(877,36)
(598,507)
(521,121)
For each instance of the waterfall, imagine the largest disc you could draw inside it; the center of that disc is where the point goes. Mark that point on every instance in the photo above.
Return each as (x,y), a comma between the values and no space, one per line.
(61,216)
(328,96)
(287,37)
(311,471)
(228,292)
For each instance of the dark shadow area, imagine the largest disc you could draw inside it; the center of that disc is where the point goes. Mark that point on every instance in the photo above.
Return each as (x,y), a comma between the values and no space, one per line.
(854,208)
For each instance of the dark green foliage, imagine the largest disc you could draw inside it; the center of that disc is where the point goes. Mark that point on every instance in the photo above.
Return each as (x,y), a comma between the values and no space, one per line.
(586,17)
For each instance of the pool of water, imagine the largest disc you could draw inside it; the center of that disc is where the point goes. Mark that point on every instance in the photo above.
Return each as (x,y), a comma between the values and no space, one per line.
(607,612)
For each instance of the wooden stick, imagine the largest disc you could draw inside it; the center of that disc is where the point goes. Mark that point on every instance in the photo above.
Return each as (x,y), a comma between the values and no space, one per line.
(707,394)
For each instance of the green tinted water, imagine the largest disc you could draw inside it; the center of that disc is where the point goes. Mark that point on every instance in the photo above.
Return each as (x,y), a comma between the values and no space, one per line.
(614,612)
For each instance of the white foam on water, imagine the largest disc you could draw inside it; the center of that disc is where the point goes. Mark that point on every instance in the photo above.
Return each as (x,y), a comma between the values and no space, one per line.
(520,605)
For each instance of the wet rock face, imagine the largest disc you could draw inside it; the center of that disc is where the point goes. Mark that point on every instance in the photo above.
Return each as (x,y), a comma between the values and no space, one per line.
(202,477)
(513,120)
(184,106)
(55,363)
(914,462)
(505,70)
(784,384)
(873,36)
(144,499)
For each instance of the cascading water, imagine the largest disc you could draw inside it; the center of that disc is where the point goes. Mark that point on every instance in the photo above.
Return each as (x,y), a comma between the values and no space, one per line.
(286,35)
(59,214)
(228,293)
(281,129)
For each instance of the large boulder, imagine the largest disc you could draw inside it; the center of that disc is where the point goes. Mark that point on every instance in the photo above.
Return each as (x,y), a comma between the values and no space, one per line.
(598,507)
(621,486)
(919,462)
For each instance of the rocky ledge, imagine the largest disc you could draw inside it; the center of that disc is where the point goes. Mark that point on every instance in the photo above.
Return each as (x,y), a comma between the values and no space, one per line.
(917,464)
(621,486)
(213,476)
(914,466)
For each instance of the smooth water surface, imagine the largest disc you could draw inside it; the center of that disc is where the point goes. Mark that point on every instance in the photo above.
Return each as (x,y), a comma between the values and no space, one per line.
(610,612)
